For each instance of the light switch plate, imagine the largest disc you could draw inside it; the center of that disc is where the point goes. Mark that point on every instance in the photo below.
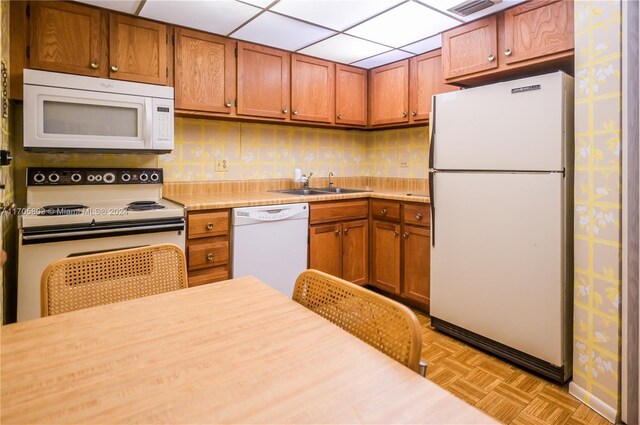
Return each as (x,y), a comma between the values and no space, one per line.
(222,164)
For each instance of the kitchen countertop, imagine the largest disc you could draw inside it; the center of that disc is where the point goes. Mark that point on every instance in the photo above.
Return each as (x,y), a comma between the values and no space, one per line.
(194,202)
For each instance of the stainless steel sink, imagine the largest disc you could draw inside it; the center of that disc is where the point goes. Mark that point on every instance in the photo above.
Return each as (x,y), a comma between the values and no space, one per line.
(319,191)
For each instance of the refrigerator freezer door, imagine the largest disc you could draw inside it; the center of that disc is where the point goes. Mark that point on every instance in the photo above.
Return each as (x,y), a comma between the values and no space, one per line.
(497,267)
(515,125)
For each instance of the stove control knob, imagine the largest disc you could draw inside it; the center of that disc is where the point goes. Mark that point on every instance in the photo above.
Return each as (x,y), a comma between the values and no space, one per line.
(39,178)
(125,177)
(76,177)
(144,177)
(54,177)
(109,177)
(154,177)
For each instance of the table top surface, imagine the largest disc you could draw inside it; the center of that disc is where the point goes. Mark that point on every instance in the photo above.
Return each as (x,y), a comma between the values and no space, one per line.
(229,352)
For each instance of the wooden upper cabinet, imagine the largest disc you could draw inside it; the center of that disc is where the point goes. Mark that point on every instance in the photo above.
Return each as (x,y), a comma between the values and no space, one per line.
(263,81)
(536,29)
(137,50)
(351,95)
(66,37)
(470,48)
(312,89)
(426,80)
(389,94)
(205,72)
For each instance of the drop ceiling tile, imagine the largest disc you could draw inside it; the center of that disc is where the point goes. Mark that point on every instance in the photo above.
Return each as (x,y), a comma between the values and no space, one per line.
(281,32)
(443,5)
(383,59)
(334,14)
(259,3)
(403,25)
(344,49)
(126,6)
(219,17)
(424,46)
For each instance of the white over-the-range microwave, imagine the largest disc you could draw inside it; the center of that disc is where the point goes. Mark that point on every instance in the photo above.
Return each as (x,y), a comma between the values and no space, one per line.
(65,112)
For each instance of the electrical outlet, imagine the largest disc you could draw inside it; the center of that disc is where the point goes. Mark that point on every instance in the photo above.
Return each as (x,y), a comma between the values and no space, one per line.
(222,164)
(404,164)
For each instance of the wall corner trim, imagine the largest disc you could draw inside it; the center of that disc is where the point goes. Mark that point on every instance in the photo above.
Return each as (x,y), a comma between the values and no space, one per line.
(593,402)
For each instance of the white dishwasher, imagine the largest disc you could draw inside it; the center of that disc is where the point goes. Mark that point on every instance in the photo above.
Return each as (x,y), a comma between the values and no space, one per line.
(270,243)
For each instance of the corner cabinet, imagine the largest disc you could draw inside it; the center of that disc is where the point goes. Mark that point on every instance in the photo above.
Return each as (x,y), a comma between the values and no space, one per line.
(351,95)
(312,89)
(339,239)
(263,81)
(207,246)
(205,72)
(389,94)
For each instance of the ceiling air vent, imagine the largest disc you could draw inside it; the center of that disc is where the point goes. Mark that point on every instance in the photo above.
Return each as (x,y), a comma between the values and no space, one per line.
(472,6)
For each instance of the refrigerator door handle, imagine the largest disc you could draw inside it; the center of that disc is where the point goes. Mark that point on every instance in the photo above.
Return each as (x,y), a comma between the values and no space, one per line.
(432,123)
(432,206)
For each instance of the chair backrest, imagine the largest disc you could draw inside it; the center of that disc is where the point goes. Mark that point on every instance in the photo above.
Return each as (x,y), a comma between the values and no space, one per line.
(90,280)
(379,321)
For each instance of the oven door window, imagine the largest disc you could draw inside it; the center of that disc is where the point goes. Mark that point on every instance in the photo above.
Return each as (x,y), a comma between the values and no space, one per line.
(70,118)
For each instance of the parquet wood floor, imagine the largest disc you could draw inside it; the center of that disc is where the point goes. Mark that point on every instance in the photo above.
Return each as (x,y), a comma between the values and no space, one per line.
(499,388)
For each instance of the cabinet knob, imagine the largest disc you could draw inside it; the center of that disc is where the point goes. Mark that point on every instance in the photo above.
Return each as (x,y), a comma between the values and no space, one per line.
(491,58)
(210,256)
(404,114)
(209,226)
(95,65)
(395,233)
(405,235)
(337,232)
(346,231)
(414,113)
(419,216)
(384,211)
(285,110)
(295,112)
(228,104)
(114,68)
(339,116)
(507,52)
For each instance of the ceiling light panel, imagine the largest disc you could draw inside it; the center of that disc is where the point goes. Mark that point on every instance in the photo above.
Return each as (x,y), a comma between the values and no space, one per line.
(334,14)
(281,32)
(443,5)
(426,45)
(344,49)
(383,59)
(126,6)
(219,17)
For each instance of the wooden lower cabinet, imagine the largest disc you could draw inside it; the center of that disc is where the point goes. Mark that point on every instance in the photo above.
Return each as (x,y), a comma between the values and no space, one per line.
(325,248)
(385,256)
(207,246)
(416,263)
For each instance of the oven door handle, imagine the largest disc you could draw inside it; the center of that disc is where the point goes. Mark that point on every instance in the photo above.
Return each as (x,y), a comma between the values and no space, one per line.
(83,234)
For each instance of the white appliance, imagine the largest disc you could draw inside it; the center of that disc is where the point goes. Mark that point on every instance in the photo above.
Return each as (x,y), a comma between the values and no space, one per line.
(64,112)
(80,211)
(270,242)
(501,180)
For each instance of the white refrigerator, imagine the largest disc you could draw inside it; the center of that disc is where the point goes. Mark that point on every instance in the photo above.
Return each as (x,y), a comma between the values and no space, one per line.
(501,185)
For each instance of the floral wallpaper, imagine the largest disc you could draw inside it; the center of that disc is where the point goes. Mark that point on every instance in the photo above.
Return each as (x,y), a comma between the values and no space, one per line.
(597,238)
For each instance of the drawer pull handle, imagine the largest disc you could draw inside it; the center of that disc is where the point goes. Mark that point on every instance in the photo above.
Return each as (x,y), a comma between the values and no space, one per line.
(209,226)
(395,233)
(210,256)
(337,232)
(405,235)
(419,216)
(384,211)
(346,231)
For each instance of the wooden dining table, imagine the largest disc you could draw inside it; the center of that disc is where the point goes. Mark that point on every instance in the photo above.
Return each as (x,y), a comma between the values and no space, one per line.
(235,351)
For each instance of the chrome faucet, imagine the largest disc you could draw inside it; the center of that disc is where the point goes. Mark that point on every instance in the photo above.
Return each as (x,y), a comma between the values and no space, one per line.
(330,182)
(305,179)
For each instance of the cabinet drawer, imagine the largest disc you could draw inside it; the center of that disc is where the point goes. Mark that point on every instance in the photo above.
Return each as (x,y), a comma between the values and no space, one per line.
(417,214)
(209,275)
(208,254)
(327,212)
(387,210)
(202,225)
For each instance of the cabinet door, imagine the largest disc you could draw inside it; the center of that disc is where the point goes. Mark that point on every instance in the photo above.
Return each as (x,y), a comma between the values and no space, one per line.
(66,37)
(416,263)
(537,28)
(351,95)
(355,251)
(426,80)
(263,81)
(389,100)
(312,89)
(325,249)
(386,256)
(137,50)
(470,48)
(205,72)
